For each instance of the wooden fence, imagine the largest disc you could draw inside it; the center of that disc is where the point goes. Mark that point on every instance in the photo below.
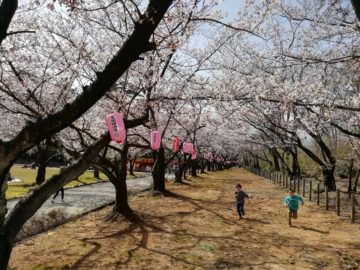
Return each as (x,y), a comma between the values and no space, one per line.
(311,190)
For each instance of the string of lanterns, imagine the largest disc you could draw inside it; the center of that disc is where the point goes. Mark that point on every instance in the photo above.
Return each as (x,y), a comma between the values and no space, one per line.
(117,130)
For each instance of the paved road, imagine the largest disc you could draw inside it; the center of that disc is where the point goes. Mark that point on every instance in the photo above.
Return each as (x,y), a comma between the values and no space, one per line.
(77,201)
(83,199)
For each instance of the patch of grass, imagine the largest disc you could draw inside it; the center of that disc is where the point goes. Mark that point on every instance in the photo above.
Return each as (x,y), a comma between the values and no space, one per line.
(181,236)
(207,247)
(137,175)
(28,177)
(189,257)
(138,258)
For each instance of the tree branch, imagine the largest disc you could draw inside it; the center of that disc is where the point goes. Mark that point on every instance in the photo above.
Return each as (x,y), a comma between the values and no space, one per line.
(7,11)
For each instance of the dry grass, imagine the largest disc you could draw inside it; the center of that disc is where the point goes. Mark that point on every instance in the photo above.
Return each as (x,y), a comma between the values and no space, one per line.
(196,227)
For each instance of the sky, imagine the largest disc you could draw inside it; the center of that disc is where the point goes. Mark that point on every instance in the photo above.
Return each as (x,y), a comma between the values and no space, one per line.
(231,7)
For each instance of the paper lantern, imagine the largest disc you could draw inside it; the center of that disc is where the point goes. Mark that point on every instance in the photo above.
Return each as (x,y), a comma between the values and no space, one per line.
(190,147)
(115,124)
(175,144)
(155,140)
(186,148)
(193,154)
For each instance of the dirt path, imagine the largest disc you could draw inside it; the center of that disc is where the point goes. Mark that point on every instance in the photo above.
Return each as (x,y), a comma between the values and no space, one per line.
(196,227)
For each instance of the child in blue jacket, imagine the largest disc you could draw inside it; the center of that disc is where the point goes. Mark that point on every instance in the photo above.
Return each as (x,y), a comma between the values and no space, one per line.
(292,203)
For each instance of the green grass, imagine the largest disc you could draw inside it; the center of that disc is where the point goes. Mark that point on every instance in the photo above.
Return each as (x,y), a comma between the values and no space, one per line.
(207,247)
(20,189)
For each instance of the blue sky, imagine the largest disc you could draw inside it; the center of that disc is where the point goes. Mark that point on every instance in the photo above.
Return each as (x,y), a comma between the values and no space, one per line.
(231,7)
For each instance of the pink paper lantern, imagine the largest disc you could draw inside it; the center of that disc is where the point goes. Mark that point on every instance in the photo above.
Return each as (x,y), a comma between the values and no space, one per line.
(190,147)
(186,148)
(155,140)
(193,154)
(115,124)
(175,144)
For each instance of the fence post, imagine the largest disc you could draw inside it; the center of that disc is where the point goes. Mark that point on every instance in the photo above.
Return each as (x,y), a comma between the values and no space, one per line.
(287,181)
(352,216)
(298,185)
(318,194)
(273,177)
(280,178)
(310,191)
(290,185)
(283,180)
(303,187)
(326,198)
(338,202)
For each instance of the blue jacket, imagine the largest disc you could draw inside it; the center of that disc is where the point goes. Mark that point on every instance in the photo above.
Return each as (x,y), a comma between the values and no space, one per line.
(293,202)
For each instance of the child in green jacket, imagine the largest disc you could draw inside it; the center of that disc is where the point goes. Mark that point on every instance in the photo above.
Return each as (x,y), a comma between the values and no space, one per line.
(292,203)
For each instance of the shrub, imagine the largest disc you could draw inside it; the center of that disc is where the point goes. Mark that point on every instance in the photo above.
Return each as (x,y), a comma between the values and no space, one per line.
(342,170)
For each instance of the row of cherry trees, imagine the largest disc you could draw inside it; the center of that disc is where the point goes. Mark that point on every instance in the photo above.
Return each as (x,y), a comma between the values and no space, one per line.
(297,79)
(64,65)
(279,79)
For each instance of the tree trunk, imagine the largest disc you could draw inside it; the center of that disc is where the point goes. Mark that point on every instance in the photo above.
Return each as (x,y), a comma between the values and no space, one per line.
(131,167)
(193,168)
(3,202)
(5,251)
(276,160)
(121,199)
(41,173)
(351,165)
(295,164)
(96,173)
(158,172)
(356,6)
(356,180)
(203,164)
(257,163)
(7,11)
(43,155)
(329,178)
(180,172)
